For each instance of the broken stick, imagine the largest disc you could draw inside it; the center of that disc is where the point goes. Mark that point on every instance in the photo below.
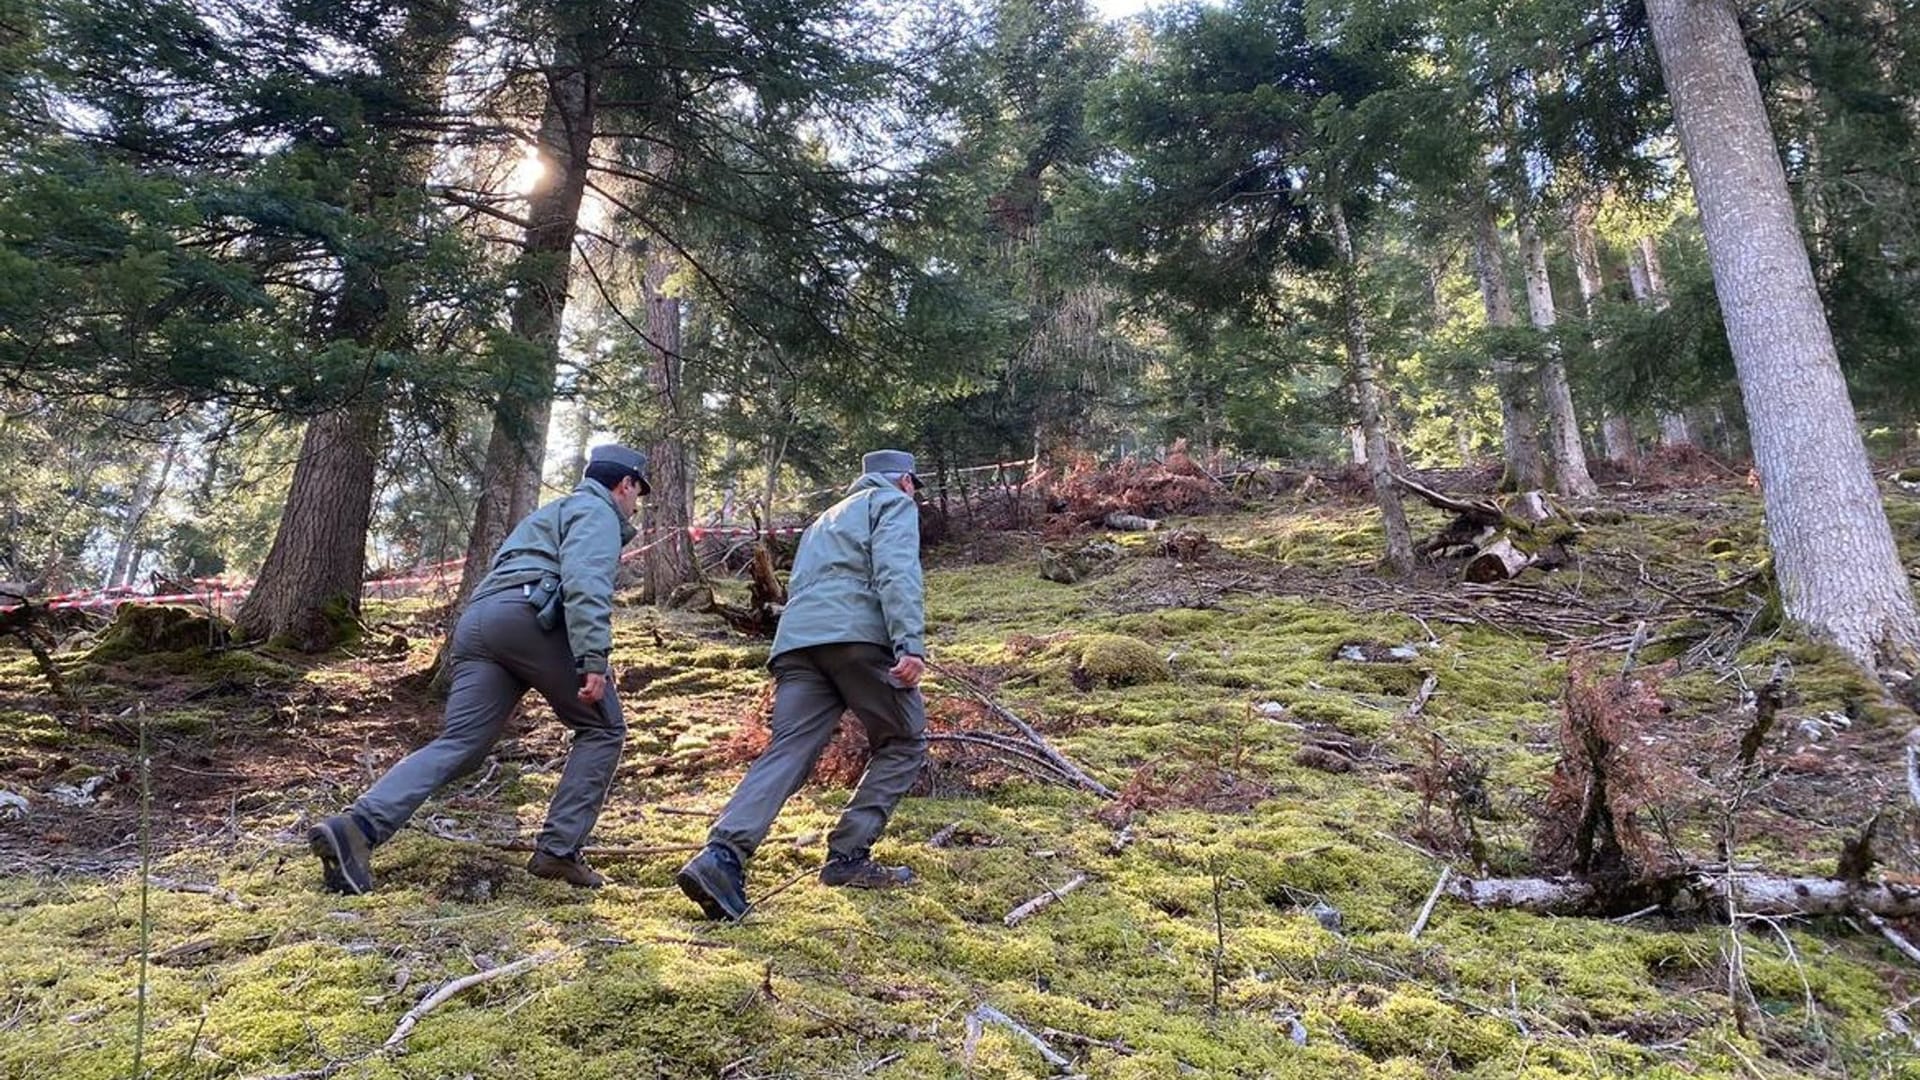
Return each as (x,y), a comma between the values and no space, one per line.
(441,996)
(1426,910)
(987,1014)
(1039,903)
(1894,937)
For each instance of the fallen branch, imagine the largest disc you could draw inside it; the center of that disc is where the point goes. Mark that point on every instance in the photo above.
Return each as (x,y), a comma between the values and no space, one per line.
(528,846)
(1036,741)
(447,992)
(1913,773)
(1039,903)
(987,1014)
(214,891)
(1895,937)
(1425,694)
(1755,894)
(1426,910)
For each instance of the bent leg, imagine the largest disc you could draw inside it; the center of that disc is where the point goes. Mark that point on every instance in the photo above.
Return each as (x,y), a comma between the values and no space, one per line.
(806,712)
(542,657)
(482,697)
(896,723)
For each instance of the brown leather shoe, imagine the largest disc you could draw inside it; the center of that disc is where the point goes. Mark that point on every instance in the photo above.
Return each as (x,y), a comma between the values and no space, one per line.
(858,871)
(573,871)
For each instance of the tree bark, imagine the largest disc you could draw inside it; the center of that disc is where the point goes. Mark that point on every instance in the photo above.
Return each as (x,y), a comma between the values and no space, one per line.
(1366,391)
(670,557)
(1839,572)
(1519,426)
(1616,431)
(308,593)
(517,447)
(1569,457)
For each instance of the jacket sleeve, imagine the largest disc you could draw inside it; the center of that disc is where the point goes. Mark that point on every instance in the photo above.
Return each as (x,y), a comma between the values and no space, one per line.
(896,573)
(589,558)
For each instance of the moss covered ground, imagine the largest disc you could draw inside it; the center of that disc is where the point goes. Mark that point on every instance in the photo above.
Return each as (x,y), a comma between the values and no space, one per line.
(1256,925)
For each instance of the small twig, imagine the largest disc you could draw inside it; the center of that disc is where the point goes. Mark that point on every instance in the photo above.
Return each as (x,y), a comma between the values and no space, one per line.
(647,852)
(778,889)
(686,812)
(1039,903)
(1631,916)
(1219,945)
(1426,910)
(445,993)
(944,836)
(1121,840)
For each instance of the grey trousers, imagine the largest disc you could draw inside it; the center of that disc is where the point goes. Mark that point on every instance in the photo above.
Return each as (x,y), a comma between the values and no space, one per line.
(498,651)
(812,688)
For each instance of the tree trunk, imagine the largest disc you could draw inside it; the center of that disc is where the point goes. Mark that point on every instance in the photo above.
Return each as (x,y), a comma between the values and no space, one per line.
(670,557)
(1834,556)
(1366,392)
(1616,431)
(147,493)
(516,450)
(308,593)
(1519,427)
(1649,285)
(1569,458)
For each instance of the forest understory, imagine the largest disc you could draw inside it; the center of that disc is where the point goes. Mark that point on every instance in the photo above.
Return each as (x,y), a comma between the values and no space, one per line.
(1314,767)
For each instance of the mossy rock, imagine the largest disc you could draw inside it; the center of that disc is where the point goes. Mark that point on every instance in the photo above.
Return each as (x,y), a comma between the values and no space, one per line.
(1110,660)
(140,630)
(1071,565)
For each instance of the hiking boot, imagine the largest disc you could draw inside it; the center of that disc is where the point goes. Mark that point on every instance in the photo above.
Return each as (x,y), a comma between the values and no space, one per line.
(858,871)
(346,856)
(713,880)
(574,871)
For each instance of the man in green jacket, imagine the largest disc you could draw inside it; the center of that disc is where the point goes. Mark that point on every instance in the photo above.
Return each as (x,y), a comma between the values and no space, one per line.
(541,618)
(853,636)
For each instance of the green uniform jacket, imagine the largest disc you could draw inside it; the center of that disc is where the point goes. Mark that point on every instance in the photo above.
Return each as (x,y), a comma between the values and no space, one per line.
(857,576)
(576,539)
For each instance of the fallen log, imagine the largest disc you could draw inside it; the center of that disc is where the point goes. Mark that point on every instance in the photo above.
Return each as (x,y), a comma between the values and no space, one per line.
(1753,894)
(1126,522)
(1498,560)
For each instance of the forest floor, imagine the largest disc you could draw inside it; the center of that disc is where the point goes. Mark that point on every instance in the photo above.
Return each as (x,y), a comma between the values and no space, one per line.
(1247,903)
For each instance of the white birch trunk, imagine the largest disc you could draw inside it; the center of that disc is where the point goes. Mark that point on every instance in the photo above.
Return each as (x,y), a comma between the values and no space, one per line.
(1570,476)
(1839,572)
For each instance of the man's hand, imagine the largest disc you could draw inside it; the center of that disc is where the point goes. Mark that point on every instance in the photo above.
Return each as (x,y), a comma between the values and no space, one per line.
(908,670)
(593,687)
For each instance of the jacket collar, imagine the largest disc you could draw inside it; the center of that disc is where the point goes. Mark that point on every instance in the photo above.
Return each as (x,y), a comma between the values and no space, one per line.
(869,481)
(599,491)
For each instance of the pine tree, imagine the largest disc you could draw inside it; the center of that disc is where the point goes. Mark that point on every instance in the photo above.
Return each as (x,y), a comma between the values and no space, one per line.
(1838,570)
